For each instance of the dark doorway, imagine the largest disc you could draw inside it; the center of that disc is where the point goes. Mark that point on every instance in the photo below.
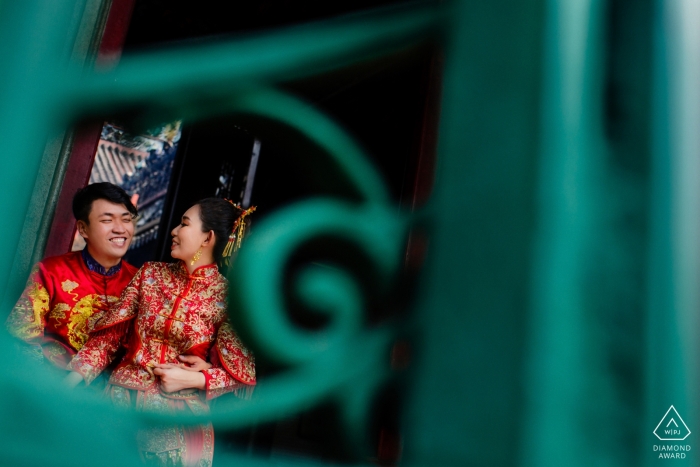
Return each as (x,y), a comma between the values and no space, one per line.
(387,105)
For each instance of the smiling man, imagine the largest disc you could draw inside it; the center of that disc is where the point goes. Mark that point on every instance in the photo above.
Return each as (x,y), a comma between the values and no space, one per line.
(66,294)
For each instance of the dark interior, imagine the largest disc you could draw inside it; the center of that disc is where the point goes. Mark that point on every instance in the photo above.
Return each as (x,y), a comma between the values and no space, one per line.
(383,104)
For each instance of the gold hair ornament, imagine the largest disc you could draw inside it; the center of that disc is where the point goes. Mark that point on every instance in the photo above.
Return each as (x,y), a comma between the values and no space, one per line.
(237,232)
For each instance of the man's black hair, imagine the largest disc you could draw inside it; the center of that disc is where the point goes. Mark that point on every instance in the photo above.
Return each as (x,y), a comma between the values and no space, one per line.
(82,201)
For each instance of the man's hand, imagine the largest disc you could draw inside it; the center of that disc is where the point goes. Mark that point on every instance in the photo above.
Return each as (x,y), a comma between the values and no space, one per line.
(175,377)
(73,379)
(193,363)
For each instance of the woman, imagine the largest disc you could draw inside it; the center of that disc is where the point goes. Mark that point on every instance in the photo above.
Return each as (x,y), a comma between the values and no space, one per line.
(168,310)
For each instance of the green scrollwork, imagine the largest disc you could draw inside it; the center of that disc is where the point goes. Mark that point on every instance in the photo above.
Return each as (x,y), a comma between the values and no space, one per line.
(346,360)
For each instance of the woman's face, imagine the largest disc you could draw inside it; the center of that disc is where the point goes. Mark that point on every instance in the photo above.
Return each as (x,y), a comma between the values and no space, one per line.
(188,236)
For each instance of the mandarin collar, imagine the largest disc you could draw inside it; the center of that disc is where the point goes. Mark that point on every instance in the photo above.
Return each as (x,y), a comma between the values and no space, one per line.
(202,272)
(94,266)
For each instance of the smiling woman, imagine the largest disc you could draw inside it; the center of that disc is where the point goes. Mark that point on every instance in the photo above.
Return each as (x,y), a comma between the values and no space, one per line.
(169,311)
(192,243)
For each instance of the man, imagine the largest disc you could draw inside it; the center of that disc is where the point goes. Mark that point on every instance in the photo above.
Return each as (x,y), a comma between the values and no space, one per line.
(65,294)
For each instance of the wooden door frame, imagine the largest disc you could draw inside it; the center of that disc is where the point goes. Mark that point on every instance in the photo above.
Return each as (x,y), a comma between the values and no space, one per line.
(86,136)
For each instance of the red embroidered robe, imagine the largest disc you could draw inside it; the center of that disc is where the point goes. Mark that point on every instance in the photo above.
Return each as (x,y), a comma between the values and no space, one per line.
(163,313)
(60,303)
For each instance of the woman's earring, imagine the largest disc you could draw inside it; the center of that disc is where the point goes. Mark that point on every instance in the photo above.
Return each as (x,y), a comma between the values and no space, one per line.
(196,256)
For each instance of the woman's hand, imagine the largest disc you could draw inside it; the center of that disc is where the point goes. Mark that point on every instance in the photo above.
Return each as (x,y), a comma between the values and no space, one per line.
(194,363)
(73,379)
(175,377)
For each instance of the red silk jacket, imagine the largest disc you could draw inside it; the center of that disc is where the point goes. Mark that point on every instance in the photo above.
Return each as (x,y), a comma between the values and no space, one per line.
(163,313)
(61,302)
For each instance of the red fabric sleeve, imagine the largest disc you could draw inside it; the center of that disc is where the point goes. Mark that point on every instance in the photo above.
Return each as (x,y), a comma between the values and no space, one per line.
(110,331)
(233,366)
(128,305)
(98,352)
(27,319)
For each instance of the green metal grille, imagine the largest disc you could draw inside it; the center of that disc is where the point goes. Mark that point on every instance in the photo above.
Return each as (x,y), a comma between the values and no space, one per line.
(556,317)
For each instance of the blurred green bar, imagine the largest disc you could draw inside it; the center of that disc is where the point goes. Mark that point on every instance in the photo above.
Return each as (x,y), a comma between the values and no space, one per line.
(83,33)
(565,372)
(35,40)
(673,320)
(466,401)
(557,313)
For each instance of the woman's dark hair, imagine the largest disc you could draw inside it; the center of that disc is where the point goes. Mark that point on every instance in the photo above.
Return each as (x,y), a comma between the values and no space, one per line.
(218,215)
(83,199)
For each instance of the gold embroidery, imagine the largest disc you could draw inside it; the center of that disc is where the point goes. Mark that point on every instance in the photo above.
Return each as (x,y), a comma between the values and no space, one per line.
(92,319)
(82,320)
(121,397)
(56,354)
(26,319)
(40,302)
(68,286)
(77,325)
(54,349)
(161,440)
(59,311)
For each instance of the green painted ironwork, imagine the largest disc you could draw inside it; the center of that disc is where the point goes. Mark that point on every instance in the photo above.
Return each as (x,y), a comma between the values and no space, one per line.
(555,318)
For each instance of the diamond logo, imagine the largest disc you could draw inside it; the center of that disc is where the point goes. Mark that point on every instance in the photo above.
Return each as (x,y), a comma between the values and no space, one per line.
(672,427)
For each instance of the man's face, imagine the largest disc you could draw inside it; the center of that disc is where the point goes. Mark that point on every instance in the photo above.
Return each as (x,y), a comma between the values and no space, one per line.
(109,232)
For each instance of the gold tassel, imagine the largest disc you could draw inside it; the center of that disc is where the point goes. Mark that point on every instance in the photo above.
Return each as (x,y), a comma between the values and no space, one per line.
(228,249)
(237,233)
